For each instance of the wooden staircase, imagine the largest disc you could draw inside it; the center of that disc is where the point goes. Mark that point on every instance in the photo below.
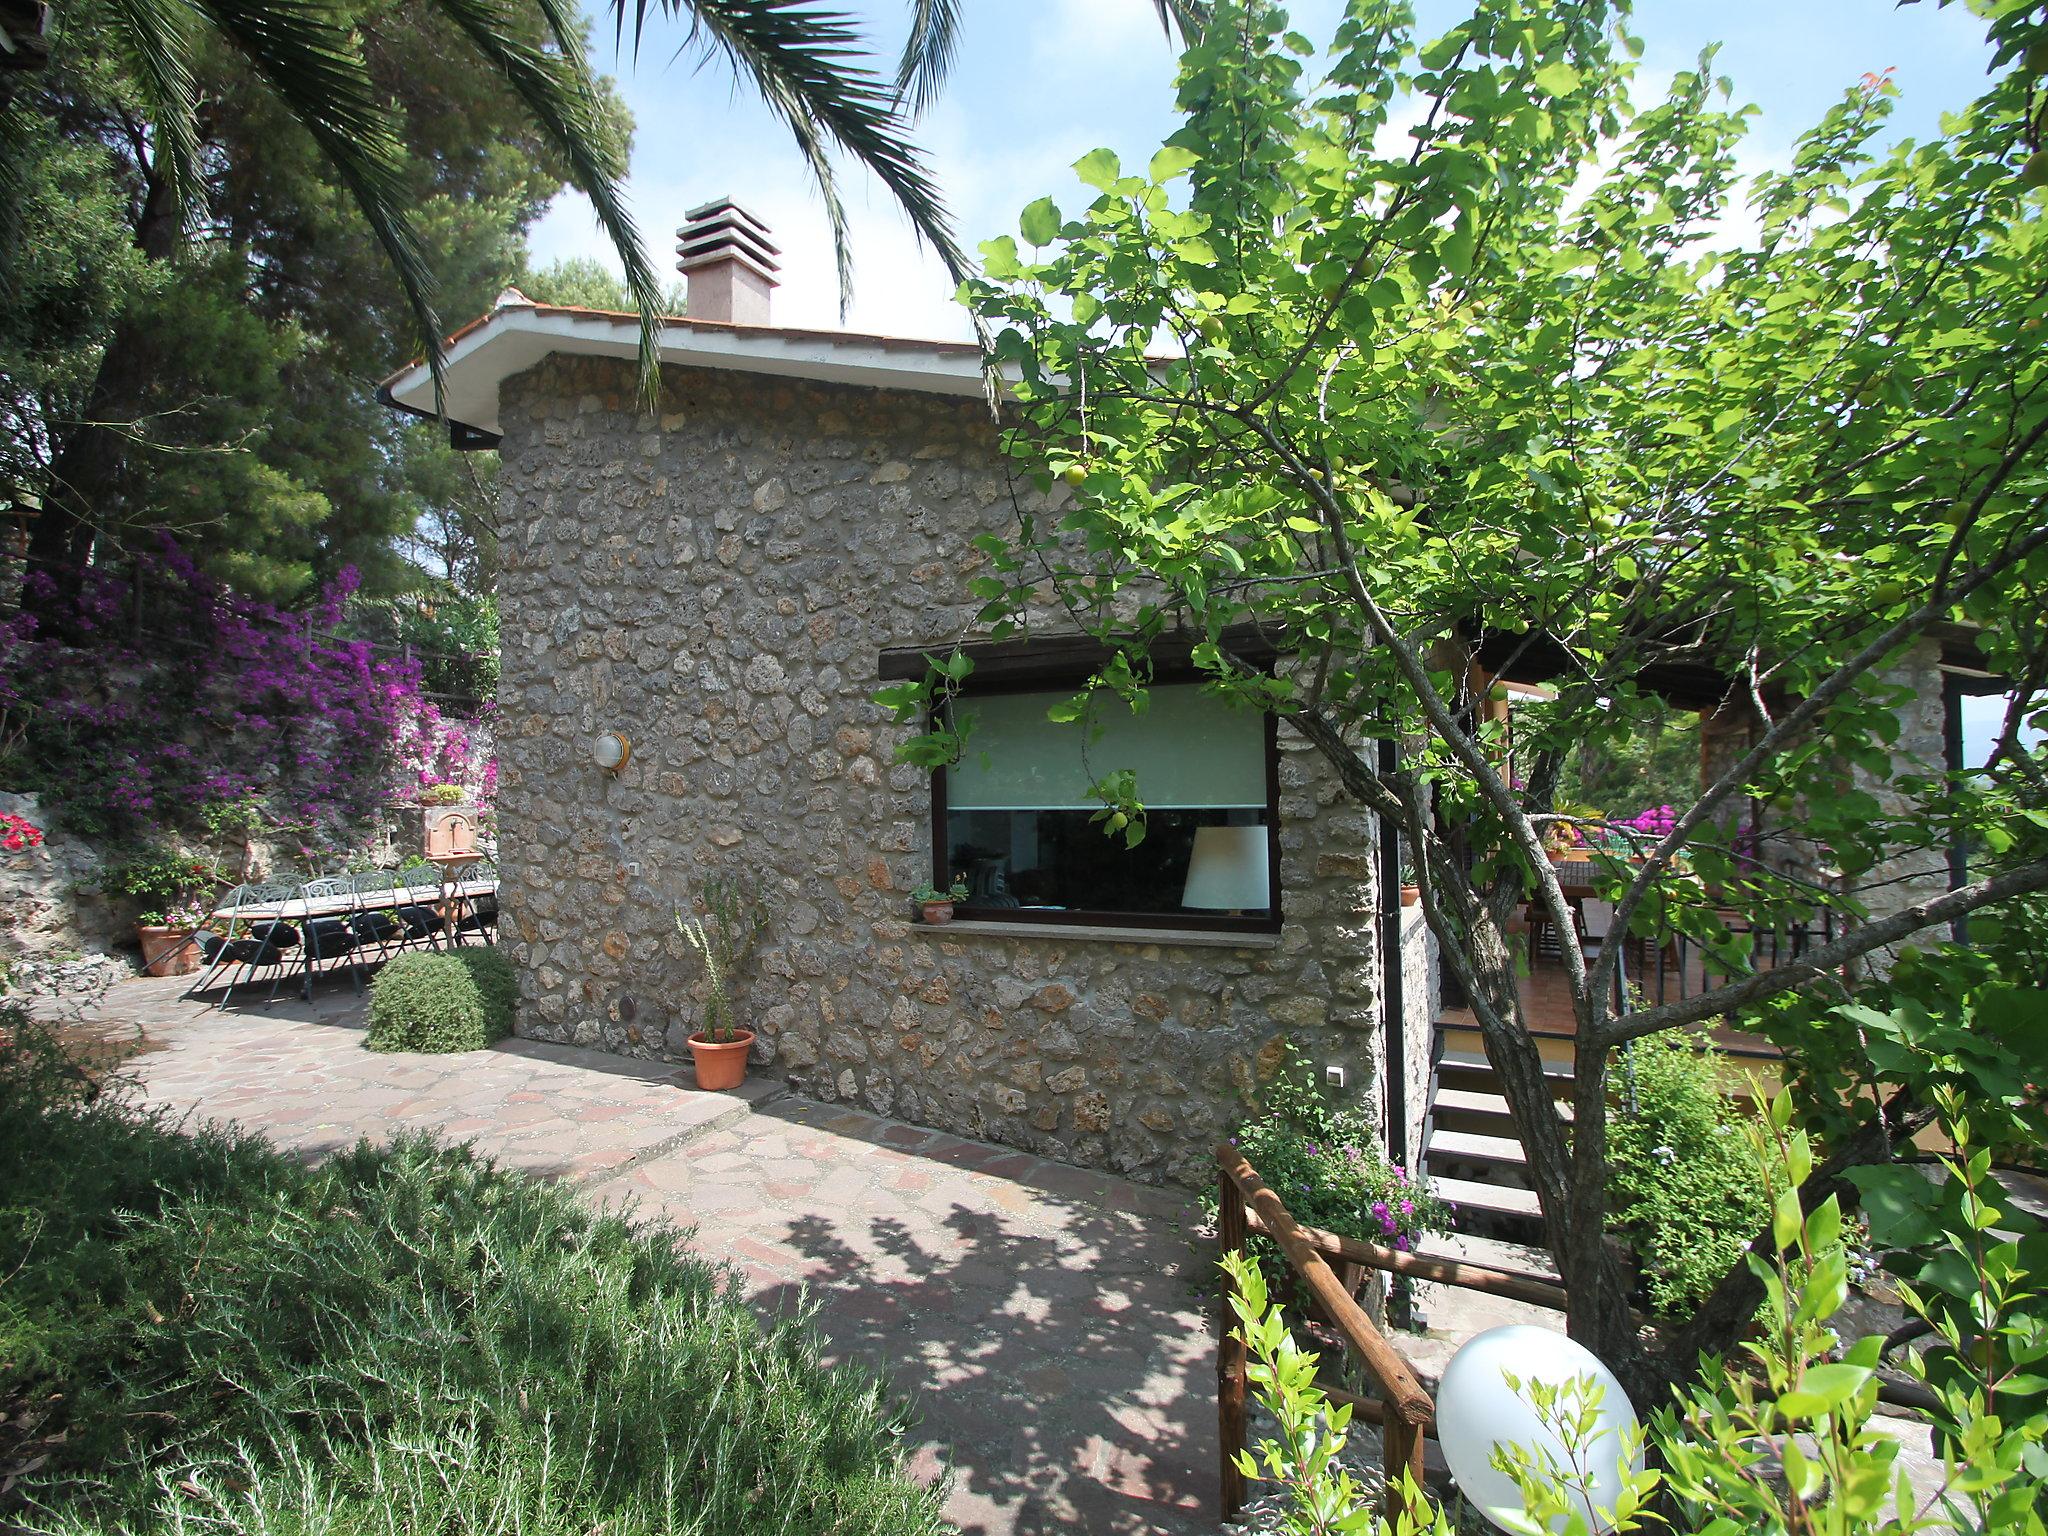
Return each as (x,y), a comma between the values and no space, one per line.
(1470,1150)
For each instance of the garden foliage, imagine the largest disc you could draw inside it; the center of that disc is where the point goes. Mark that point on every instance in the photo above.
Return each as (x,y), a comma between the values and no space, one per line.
(1435,355)
(1324,1161)
(1777,1437)
(160,697)
(197,1333)
(458,999)
(1687,1191)
(724,926)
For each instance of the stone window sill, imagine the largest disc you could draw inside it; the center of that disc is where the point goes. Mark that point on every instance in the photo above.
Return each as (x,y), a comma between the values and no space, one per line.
(1095,933)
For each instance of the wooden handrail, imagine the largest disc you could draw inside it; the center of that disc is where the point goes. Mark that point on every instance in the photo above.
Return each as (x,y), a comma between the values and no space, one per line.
(1404,1411)
(1423,1266)
(1359,1331)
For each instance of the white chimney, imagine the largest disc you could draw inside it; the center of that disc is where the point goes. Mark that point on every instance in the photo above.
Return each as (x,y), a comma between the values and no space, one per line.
(725,253)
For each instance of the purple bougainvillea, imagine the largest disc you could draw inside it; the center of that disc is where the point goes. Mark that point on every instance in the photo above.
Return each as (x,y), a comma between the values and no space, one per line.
(140,709)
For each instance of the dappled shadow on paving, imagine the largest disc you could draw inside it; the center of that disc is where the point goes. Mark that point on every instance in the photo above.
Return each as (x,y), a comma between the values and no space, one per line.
(1056,1354)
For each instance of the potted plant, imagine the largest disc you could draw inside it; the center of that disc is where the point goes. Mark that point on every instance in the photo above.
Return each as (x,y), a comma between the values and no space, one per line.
(166,939)
(724,929)
(936,906)
(1411,893)
(172,891)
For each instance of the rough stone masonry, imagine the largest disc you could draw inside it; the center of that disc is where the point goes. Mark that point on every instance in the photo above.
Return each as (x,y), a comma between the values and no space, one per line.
(717,583)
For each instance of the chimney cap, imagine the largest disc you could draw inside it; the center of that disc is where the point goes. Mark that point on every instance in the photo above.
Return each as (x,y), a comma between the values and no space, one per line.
(725,207)
(722,230)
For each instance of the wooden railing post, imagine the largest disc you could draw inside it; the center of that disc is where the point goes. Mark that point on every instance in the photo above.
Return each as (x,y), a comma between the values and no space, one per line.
(1401,1441)
(1230,1350)
(1402,1409)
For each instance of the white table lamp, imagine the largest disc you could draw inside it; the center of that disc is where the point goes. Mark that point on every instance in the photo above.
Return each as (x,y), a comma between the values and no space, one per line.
(1228,871)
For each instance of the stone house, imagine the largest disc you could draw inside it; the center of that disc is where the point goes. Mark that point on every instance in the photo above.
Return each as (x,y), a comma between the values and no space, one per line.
(724,584)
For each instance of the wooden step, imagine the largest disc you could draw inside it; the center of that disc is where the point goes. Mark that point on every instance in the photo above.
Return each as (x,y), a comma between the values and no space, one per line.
(1493,1252)
(1470,1147)
(1555,1048)
(1479,1105)
(1494,1199)
(1471,1070)
(1742,1051)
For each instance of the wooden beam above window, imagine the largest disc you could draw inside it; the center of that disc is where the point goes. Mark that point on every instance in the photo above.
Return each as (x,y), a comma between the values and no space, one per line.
(1069,657)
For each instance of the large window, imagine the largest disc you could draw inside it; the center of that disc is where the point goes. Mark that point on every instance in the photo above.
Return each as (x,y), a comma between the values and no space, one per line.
(1014,816)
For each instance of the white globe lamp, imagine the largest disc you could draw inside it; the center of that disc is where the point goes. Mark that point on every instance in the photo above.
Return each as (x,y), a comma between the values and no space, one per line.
(1477,1412)
(610,751)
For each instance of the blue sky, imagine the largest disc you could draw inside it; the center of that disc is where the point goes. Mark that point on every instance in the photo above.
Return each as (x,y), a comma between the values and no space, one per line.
(1038,83)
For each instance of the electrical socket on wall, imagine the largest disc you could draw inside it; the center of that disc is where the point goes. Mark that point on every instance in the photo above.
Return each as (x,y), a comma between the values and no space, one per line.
(1334,1077)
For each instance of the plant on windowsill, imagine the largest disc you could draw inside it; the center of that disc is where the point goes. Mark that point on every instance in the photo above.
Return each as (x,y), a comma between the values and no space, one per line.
(724,927)
(1411,893)
(935,905)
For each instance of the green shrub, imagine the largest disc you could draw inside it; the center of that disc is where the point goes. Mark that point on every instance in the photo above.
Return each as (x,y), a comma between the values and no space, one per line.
(443,794)
(1686,1188)
(442,1000)
(214,1337)
(1324,1162)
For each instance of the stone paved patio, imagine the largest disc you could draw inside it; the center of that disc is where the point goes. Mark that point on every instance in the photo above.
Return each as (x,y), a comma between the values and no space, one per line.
(1041,1316)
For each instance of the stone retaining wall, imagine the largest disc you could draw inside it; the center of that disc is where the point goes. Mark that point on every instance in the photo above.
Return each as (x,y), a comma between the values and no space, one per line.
(717,583)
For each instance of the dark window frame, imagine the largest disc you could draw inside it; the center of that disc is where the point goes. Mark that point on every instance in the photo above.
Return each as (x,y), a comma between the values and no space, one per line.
(1072,672)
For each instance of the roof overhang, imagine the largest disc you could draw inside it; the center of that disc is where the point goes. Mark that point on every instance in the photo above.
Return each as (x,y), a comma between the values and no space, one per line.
(481,356)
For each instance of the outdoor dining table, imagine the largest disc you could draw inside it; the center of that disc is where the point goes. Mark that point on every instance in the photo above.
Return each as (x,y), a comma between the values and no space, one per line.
(300,909)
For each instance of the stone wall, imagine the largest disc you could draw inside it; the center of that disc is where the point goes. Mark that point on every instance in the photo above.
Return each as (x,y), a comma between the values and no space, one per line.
(1919,750)
(717,583)
(1421,1006)
(50,903)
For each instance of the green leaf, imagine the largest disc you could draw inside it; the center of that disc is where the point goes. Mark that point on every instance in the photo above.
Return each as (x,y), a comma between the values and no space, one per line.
(1098,168)
(1899,1204)
(999,259)
(1172,161)
(1040,224)
(1557,79)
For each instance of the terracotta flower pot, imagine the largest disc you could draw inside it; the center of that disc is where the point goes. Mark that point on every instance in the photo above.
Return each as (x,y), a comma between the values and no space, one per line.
(936,912)
(166,952)
(721,1064)
(1410,894)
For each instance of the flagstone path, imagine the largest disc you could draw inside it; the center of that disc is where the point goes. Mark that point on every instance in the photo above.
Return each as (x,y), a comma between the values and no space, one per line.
(1041,1316)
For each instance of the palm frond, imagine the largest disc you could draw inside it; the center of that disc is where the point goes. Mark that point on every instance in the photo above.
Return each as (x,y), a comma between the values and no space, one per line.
(315,64)
(812,67)
(157,37)
(1186,17)
(928,52)
(934,39)
(559,90)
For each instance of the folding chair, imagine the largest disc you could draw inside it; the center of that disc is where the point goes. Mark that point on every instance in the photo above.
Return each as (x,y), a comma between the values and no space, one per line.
(327,937)
(477,909)
(423,924)
(375,924)
(265,943)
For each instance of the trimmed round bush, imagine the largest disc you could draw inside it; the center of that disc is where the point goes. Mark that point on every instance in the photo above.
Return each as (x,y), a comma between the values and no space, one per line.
(445,1000)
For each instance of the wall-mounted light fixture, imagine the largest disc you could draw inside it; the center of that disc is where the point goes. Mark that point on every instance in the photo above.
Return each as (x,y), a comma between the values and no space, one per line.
(611,751)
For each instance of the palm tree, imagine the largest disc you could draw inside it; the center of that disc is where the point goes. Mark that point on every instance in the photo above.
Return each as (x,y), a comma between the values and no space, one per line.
(806,63)
(935,34)
(809,64)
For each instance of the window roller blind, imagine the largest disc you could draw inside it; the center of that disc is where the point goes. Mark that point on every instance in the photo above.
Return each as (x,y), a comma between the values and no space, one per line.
(1190,750)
